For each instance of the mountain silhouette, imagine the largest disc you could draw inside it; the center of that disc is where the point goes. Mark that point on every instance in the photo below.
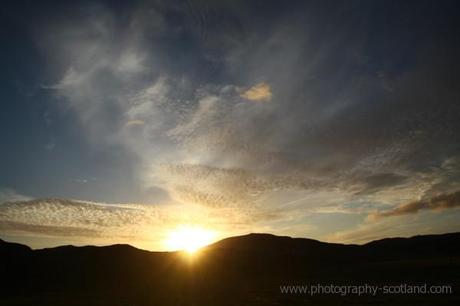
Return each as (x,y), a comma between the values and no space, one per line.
(243,270)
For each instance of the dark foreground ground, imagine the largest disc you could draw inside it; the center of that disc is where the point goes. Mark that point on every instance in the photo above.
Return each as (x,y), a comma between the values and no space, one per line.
(246,270)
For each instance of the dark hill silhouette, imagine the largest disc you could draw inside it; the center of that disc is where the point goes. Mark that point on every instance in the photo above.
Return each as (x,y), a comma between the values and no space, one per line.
(244,270)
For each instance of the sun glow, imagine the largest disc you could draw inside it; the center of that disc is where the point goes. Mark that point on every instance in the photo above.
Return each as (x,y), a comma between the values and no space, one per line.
(189,238)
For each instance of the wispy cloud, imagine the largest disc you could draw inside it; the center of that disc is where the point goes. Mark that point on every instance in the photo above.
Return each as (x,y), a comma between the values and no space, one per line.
(8,194)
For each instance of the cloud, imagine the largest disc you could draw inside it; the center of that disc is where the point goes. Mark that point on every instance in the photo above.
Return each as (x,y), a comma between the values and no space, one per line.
(441,202)
(48,230)
(216,187)
(400,226)
(377,182)
(259,92)
(7,194)
(88,222)
(334,137)
(134,122)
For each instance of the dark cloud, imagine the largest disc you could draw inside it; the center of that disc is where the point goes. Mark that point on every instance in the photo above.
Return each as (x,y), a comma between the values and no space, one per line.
(62,231)
(441,202)
(377,182)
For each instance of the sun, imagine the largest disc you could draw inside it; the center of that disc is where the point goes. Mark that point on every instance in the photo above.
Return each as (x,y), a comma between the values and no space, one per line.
(189,238)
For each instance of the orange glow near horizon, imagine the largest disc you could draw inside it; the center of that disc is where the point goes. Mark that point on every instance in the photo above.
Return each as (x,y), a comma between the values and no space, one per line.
(189,238)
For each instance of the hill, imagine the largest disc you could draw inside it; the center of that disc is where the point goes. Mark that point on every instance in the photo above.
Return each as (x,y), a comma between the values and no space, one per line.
(244,270)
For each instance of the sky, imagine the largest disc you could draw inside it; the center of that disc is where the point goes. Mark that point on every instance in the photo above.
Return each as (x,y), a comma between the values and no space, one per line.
(123,120)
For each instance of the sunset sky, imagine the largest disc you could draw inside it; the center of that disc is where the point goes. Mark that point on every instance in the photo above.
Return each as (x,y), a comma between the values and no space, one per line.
(122,121)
